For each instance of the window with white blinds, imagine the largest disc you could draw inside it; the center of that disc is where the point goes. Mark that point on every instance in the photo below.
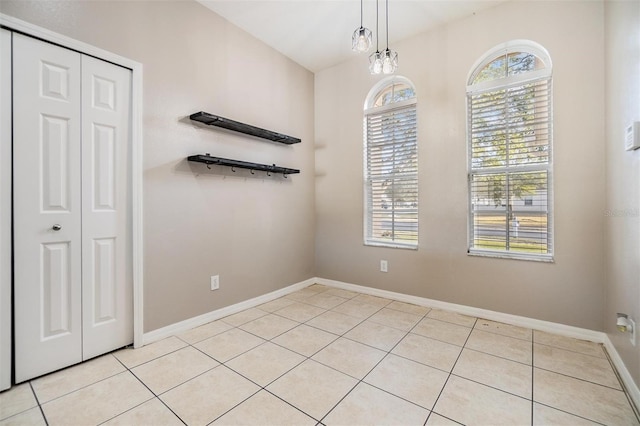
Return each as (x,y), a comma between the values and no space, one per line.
(391,166)
(509,106)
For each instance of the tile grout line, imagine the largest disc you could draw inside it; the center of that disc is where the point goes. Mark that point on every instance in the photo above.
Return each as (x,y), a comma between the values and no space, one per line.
(495,356)
(422,317)
(533,354)
(378,363)
(582,380)
(37,402)
(80,388)
(358,381)
(261,387)
(406,333)
(291,405)
(621,382)
(237,405)
(152,359)
(573,414)
(400,356)
(152,392)
(575,351)
(450,373)
(223,364)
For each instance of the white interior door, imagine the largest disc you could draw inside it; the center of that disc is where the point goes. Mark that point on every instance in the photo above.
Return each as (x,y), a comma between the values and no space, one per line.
(72,210)
(107,277)
(5,209)
(47,207)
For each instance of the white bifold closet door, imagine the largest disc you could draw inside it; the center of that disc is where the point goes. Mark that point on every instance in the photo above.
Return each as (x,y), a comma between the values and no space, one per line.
(5,209)
(72,209)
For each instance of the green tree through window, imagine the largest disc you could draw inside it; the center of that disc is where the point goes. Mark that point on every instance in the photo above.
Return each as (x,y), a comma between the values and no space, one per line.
(391,165)
(509,136)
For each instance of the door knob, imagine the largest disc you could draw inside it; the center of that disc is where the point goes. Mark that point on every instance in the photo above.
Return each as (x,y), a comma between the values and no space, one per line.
(56,227)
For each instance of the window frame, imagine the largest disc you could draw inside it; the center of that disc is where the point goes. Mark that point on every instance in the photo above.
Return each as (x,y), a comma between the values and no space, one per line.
(506,83)
(369,110)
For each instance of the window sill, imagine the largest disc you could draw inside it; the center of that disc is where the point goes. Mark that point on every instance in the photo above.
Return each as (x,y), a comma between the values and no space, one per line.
(545,258)
(391,245)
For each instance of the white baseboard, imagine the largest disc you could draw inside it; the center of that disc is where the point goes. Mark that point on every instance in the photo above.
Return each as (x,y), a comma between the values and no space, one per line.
(630,385)
(190,323)
(551,327)
(565,330)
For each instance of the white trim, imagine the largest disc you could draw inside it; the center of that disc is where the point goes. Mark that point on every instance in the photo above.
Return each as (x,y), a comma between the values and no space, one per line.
(136,143)
(377,243)
(137,217)
(382,84)
(547,258)
(550,327)
(535,324)
(47,35)
(508,82)
(390,107)
(410,106)
(190,323)
(503,84)
(528,46)
(627,380)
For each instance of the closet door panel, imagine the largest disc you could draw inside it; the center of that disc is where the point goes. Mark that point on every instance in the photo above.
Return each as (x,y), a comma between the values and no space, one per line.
(5,209)
(47,207)
(106,206)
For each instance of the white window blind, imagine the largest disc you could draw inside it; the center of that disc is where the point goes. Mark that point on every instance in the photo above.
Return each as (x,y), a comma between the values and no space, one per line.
(510,173)
(391,175)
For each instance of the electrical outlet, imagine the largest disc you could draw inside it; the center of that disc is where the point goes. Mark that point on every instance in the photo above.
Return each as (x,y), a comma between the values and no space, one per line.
(383,266)
(632,338)
(215,282)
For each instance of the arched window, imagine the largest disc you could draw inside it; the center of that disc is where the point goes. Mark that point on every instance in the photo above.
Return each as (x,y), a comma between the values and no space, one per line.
(509,107)
(391,165)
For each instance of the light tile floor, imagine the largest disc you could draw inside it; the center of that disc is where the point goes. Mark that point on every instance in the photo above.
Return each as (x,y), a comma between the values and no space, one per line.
(327,356)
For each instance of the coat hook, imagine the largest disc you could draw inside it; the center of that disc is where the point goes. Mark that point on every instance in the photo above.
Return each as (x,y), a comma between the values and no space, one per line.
(232,169)
(268,174)
(208,166)
(285,175)
(252,172)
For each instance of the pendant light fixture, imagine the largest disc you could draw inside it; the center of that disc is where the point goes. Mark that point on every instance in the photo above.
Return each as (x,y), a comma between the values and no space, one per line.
(375,59)
(361,39)
(387,61)
(389,57)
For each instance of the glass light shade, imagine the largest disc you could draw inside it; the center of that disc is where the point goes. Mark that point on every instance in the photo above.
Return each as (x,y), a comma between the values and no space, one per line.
(361,40)
(389,61)
(375,63)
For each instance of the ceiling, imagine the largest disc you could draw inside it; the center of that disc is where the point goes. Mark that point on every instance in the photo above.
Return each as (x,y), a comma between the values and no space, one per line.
(317,33)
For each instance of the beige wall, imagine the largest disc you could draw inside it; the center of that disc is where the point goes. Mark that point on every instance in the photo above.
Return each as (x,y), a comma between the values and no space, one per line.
(622,224)
(569,291)
(256,232)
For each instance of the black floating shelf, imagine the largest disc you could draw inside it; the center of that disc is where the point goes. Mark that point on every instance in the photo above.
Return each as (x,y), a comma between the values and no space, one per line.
(236,126)
(207,159)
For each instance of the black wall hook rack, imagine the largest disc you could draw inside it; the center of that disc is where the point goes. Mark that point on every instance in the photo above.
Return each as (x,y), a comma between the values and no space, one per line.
(209,160)
(236,126)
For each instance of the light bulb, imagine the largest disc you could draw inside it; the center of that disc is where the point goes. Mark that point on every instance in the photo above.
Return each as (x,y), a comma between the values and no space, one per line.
(375,63)
(377,67)
(363,44)
(390,61)
(361,40)
(387,66)
(373,58)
